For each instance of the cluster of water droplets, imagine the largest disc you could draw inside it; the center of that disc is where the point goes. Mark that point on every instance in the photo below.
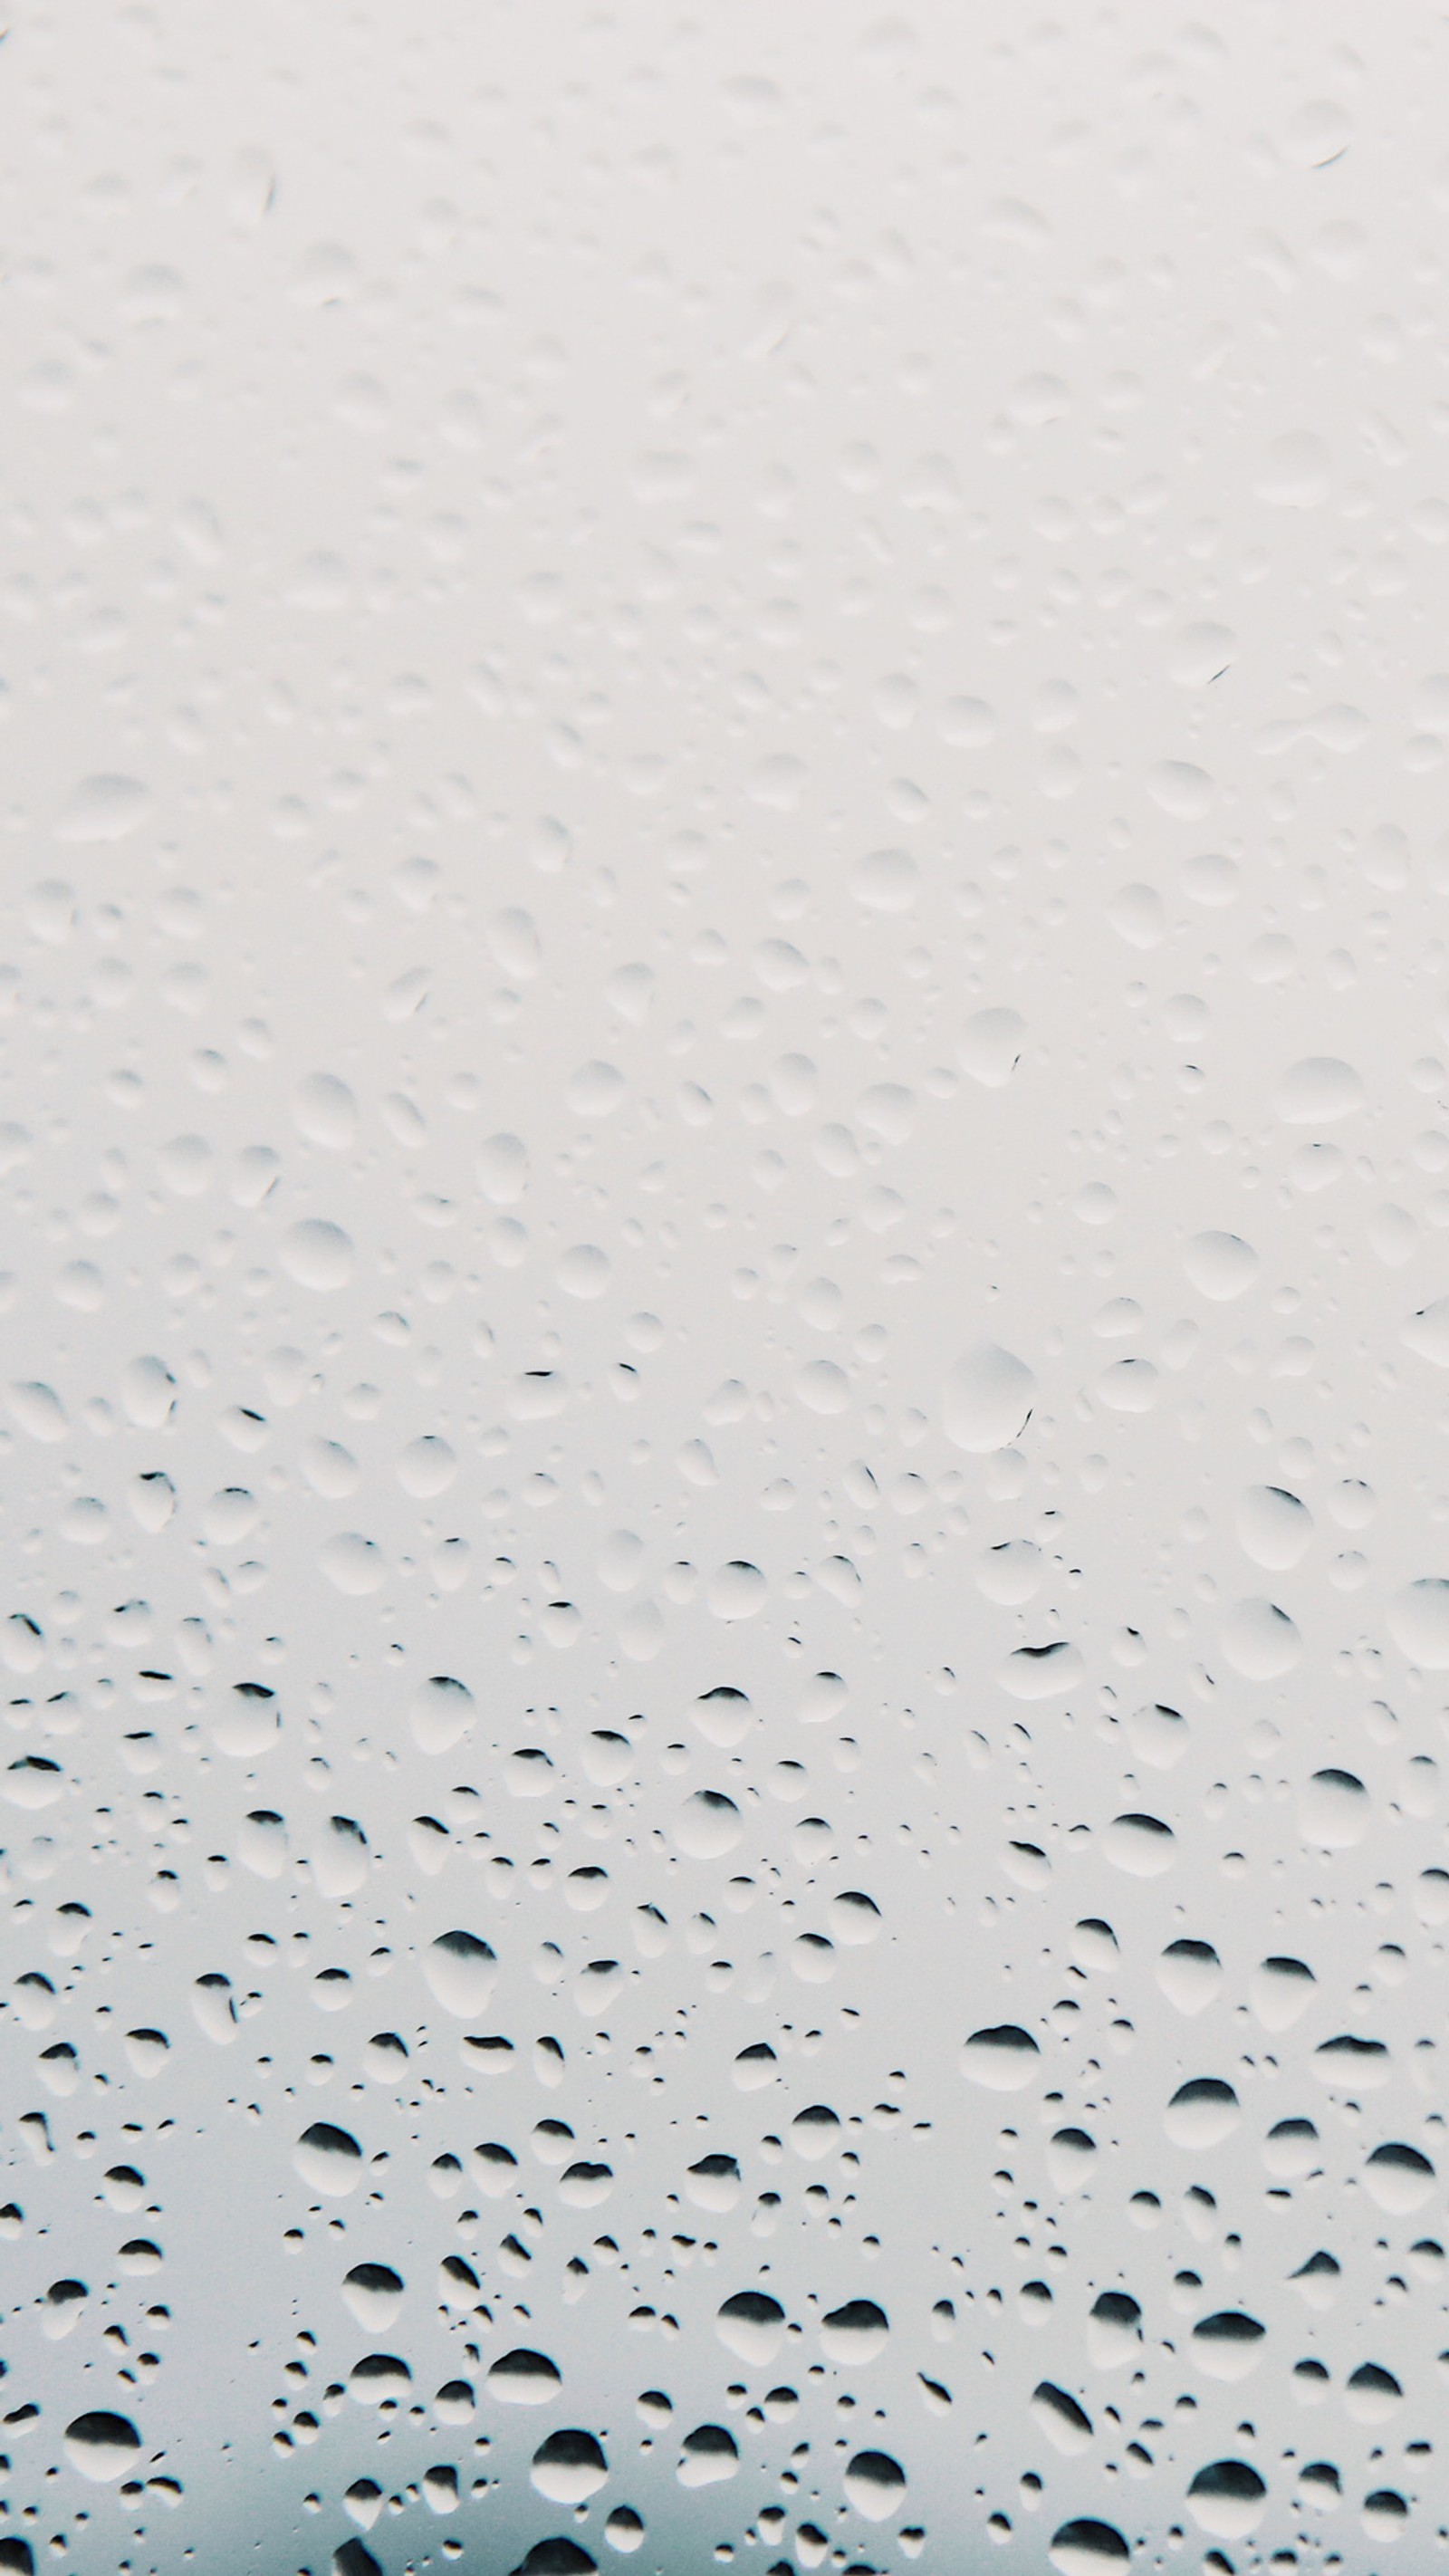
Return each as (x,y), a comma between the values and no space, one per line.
(726,1526)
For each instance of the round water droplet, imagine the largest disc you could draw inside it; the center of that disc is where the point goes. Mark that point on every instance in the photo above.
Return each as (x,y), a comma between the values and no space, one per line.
(1317,1091)
(1088,2548)
(1158,1735)
(247,1723)
(990,1046)
(524,2378)
(1291,2148)
(427,1467)
(1003,2058)
(1333,1810)
(441,1713)
(569,2467)
(378,2375)
(1419,1622)
(583,1271)
(318,1255)
(373,2293)
(714,2183)
(822,1387)
(1180,788)
(1398,2179)
(461,1972)
(736,1591)
(1427,1332)
(324,1111)
(1372,2394)
(854,2334)
(709,1825)
(987,1398)
(102,2446)
(888,881)
(1227,2499)
(1190,1973)
(1143,1846)
(1220,1265)
(710,2455)
(1274,1528)
(1228,2345)
(353,1564)
(816,2132)
(876,2485)
(1202,2113)
(1070,2158)
(329,2159)
(106,807)
(723,1716)
(558,2557)
(1260,1641)
(1114,2330)
(751,2325)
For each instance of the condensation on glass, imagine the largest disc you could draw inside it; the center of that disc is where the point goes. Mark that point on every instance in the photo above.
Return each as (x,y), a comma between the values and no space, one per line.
(726,1154)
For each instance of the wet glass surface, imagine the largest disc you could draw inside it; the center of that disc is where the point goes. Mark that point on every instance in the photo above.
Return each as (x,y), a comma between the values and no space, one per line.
(726,1160)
